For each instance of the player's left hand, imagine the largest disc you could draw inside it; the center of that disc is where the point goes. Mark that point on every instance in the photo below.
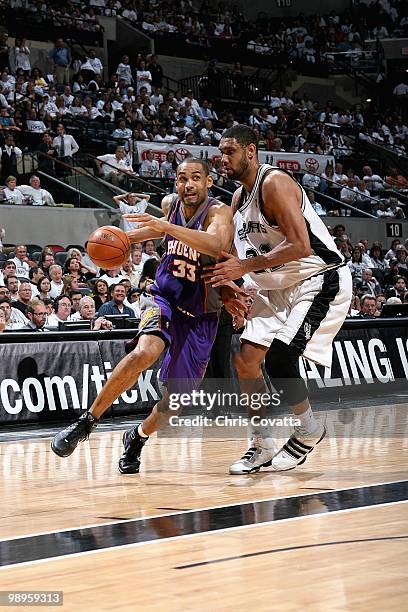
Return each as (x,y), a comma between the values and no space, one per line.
(223,271)
(146,220)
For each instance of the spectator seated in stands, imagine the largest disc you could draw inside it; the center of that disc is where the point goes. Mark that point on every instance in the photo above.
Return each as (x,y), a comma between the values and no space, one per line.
(55,273)
(86,312)
(24,295)
(62,311)
(368,284)
(318,208)
(21,261)
(37,316)
(35,194)
(115,167)
(368,307)
(9,269)
(310,181)
(14,318)
(11,193)
(149,166)
(374,182)
(396,180)
(122,132)
(112,277)
(356,264)
(398,289)
(394,209)
(377,257)
(348,194)
(34,124)
(11,283)
(72,267)
(116,305)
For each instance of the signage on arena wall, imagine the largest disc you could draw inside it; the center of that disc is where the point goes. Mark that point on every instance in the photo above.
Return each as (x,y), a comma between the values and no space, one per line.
(293,162)
(42,382)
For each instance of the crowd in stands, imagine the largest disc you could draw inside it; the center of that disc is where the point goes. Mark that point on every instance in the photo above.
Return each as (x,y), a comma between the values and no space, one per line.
(37,293)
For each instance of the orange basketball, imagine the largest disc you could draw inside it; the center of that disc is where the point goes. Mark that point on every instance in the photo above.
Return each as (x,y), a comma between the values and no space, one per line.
(108,247)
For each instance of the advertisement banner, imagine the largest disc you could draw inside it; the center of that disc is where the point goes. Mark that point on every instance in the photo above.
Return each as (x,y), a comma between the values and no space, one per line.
(293,162)
(51,381)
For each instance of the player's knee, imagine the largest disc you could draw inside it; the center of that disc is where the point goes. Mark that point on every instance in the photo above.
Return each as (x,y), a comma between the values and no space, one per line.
(246,367)
(282,367)
(141,358)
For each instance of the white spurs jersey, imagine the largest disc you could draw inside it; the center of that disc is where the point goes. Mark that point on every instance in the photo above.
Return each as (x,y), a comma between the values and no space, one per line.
(255,236)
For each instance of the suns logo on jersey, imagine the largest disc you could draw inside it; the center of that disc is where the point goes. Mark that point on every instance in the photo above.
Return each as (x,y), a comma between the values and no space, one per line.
(148,316)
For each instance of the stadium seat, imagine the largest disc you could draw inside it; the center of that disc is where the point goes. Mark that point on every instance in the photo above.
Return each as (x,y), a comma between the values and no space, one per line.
(80,247)
(32,248)
(60,257)
(36,256)
(56,248)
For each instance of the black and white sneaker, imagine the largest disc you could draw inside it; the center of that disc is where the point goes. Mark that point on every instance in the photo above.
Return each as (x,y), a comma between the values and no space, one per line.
(252,461)
(295,451)
(66,441)
(129,463)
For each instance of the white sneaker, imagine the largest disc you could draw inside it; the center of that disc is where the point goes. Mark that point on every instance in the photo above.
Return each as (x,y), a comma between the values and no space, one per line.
(257,456)
(295,451)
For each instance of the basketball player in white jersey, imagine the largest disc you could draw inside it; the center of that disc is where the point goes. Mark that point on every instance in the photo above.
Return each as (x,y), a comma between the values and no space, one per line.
(304,291)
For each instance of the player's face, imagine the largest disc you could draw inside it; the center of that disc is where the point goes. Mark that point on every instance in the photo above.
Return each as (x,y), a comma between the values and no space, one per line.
(236,158)
(192,184)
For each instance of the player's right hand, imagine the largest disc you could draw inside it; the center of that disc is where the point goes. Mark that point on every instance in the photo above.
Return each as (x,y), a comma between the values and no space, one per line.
(233,302)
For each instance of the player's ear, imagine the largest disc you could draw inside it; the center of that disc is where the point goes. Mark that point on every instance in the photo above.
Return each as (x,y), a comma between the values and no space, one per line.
(209,181)
(251,151)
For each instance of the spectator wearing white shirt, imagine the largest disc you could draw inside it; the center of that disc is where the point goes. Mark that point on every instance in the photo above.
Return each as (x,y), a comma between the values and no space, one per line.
(149,166)
(374,182)
(65,144)
(14,318)
(363,195)
(156,98)
(62,307)
(112,277)
(124,71)
(34,124)
(122,131)
(20,259)
(348,194)
(317,207)
(38,196)
(209,132)
(310,181)
(144,78)
(131,203)
(93,63)
(55,274)
(22,55)
(114,167)
(11,192)
(67,96)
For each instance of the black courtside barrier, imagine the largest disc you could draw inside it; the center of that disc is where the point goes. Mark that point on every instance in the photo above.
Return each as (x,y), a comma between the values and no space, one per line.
(53,376)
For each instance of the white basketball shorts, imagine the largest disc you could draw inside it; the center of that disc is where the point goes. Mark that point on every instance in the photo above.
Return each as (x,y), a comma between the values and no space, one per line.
(305,316)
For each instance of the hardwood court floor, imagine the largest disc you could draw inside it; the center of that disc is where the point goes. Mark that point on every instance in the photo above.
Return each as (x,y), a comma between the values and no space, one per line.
(323,560)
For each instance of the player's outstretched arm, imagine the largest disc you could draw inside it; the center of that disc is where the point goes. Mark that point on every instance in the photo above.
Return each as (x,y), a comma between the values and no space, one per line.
(282,207)
(216,237)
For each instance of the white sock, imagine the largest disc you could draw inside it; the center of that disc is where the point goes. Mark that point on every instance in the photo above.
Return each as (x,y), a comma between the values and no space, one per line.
(141,432)
(308,421)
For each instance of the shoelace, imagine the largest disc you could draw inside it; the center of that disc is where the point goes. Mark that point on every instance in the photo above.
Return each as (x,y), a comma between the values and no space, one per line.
(84,435)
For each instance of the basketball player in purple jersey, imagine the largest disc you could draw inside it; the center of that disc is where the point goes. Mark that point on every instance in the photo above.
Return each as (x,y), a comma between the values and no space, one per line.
(180,312)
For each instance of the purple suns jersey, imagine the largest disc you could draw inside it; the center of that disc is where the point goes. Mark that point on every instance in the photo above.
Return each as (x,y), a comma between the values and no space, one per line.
(178,277)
